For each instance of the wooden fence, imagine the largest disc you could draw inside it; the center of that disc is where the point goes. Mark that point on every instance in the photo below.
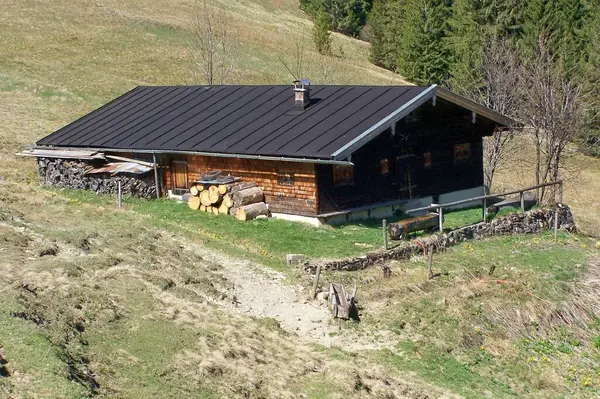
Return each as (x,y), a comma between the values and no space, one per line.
(484,200)
(439,208)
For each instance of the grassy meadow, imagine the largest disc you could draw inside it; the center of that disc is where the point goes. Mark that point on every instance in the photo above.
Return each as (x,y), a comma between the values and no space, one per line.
(138,303)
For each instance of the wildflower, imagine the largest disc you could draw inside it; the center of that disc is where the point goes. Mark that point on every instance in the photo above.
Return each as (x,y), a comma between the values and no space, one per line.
(482,348)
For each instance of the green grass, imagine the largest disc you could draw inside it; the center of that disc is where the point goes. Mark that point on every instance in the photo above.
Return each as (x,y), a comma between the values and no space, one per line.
(474,332)
(463,217)
(433,364)
(29,352)
(266,240)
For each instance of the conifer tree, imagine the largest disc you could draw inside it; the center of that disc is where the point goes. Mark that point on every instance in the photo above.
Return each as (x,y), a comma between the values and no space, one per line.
(424,56)
(321,33)
(385,21)
(475,24)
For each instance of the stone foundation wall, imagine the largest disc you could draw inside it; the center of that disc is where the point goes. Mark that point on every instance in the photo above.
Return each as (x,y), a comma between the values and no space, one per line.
(521,223)
(70,173)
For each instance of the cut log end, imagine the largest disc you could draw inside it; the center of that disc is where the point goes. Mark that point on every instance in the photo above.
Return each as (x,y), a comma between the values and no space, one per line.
(249,212)
(194,203)
(205,198)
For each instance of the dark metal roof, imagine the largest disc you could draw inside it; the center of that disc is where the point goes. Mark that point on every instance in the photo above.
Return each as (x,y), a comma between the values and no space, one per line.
(252,120)
(249,120)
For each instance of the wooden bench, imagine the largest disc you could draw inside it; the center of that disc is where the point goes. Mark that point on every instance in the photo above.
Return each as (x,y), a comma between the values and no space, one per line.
(401,229)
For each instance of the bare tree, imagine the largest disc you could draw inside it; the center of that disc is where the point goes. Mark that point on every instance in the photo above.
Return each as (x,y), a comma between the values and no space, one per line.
(497,90)
(213,45)
(500,67)
(301,63)
(554,108)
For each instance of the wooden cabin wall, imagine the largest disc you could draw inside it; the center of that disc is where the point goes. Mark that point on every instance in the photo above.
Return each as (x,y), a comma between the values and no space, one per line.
(299,197)
(430,129)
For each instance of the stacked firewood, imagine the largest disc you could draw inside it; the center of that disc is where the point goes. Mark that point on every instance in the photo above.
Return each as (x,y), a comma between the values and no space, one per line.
(243,200)
(72,174)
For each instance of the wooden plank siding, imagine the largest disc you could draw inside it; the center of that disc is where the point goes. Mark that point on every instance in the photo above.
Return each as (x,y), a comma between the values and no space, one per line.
(299,198)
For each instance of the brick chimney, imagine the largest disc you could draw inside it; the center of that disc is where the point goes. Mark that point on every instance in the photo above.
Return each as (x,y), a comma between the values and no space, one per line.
(301,93)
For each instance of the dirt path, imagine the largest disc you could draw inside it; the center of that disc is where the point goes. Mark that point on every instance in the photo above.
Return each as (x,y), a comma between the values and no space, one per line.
(260,291)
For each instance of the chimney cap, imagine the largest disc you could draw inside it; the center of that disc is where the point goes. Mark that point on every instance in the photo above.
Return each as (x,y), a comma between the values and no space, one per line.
(301,84)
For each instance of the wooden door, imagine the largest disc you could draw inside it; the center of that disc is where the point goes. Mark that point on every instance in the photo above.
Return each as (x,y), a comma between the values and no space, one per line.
(179,177)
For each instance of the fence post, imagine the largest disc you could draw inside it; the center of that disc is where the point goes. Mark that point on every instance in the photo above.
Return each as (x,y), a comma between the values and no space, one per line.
(441,218)
(430,263)
(119,195)
(316,282)
(484,208)
(560,192)
(555,223)
(385,235)
(156,182)
(522,199)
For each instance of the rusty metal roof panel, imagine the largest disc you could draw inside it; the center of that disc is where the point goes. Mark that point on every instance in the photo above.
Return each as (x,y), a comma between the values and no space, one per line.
(116,168)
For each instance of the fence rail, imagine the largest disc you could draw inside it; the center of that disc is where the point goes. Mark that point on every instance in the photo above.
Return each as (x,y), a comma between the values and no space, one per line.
(483,198)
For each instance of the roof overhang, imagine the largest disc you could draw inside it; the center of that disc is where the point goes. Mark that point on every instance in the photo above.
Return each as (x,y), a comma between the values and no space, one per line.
(385,123)
(474,107)
(428,94)
(70,150)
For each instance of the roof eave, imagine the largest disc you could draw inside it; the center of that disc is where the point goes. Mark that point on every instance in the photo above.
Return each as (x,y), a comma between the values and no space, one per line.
(211,154)
(432,91)
(475,107)
(382,125)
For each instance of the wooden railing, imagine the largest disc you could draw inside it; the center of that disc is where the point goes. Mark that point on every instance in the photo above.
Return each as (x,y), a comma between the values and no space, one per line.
(484,199)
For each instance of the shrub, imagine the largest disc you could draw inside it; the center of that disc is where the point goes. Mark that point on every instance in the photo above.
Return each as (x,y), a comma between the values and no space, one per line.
(321,33)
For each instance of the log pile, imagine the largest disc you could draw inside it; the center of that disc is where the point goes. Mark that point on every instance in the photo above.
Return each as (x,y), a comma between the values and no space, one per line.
(71,173)
(243,200)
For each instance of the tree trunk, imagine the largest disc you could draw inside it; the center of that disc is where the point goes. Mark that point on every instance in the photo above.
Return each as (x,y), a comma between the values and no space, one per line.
(233,211)
(248,196)
(215,210)
(194,191)
(249,212)
(202,208)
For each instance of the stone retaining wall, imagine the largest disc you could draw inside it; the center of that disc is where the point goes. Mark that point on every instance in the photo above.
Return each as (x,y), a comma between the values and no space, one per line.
(70,173)
(521,223)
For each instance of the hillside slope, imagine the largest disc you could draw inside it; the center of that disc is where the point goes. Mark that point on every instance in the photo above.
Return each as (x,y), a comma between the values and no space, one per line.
(107,303)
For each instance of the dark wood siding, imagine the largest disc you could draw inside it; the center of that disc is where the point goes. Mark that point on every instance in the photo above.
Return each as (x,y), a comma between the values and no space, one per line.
(430,129)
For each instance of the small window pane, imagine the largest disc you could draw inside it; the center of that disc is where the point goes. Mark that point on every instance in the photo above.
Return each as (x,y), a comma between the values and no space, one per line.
(384,167)
(343,175)
(462,152)
(285,178)
(427,160)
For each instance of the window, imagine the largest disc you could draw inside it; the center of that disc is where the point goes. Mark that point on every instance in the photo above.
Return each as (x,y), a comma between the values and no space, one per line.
(384,167)
(427,160)
(462,153)
(285,178)
(343,175)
